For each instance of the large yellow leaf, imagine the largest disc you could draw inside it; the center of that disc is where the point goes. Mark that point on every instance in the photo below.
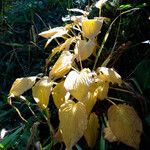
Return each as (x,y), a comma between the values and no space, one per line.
(58,94)
(83,49)
(78,83)
(41,92)
(91,133)
(21,85)
(91,28)
(64,46)
(73,122)
(125,124)
(62,65)
(109,75)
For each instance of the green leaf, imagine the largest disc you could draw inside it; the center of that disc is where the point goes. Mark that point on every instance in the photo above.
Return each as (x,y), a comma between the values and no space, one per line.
(142,74)
(8,140)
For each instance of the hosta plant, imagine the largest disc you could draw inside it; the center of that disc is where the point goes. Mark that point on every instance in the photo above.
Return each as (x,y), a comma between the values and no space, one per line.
(76,87)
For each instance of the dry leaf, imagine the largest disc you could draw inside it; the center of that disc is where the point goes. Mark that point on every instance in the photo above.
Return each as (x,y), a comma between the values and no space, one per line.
(21,85)
(73,122)
(109,75)
(125,124)
(58,94)
(53,33)
(78,83)
(62,65)
(91,28)
(41,92)
(91,133)
(64,46)
(108,135)
(83,49)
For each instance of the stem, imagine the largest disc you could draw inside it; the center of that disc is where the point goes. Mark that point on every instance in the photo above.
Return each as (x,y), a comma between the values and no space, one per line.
(116,99)
(107,34)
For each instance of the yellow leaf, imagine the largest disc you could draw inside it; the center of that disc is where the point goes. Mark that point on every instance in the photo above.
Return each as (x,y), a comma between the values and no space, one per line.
(73,122)
(91,133)
(58,94)
(90,102)
(21,85)
(64,46)
(125,124)
(78,83)
(103,90)
(109,75)
(62,65)
(83,49)
(100,3)
(51,32)
(41,92)
(108,135)
(91,28)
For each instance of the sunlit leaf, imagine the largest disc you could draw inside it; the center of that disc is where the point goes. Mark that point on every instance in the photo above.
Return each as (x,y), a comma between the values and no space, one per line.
(100,3)
(62,65)
(125,124)
(51,32)
(73,122)
(59,34)
(64,46)
(21,85)
(103,90)
(91,28)
(109,75)
(78,83)
(58,94)
(78,19)
(41,92)
(83,49)
(91,133)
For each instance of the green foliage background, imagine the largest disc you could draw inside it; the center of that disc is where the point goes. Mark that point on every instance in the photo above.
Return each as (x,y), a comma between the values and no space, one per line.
(22,54)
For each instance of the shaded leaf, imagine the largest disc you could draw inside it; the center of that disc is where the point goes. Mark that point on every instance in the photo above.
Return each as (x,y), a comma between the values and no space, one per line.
(91,133)
(102,90)
(41,92)
(62,65)
(142,74)
(21,85)
(73,122)
(58,94)
(108,135)
(125,124)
